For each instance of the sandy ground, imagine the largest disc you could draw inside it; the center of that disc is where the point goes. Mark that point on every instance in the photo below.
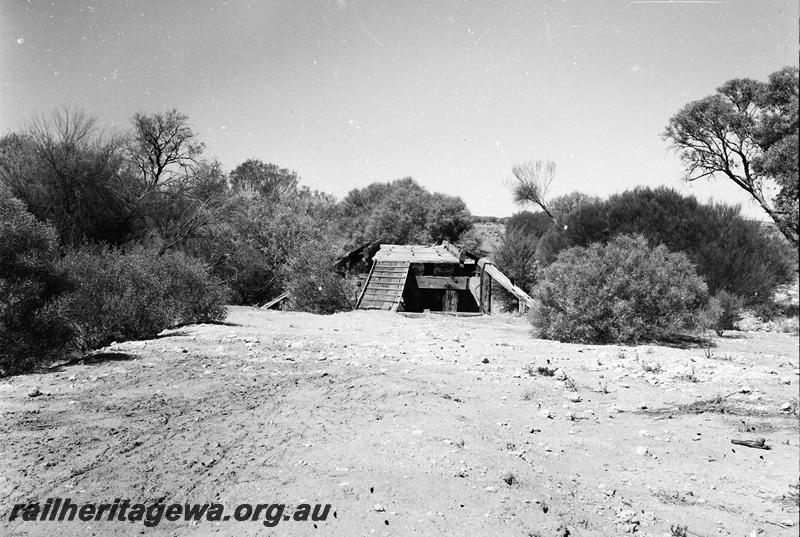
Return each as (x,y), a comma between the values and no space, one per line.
(412,426)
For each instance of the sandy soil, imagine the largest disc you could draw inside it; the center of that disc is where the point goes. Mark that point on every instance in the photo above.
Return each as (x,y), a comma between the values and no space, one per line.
(412,426)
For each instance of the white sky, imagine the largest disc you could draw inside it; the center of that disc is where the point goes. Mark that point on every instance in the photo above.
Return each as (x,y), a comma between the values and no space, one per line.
(452,93)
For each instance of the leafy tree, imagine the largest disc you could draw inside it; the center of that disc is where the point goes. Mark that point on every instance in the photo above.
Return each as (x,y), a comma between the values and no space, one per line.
(447,219)
(269,179)
(401,212)
(748,132)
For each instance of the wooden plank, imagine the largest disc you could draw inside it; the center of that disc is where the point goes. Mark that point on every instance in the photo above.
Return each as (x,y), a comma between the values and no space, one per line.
(384,290)
(450,300)
(275,301)
(442,282)
(474,286)
(504,282)
(361,296)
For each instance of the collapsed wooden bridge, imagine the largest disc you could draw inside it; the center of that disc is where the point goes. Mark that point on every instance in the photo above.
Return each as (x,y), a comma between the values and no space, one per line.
(436,278)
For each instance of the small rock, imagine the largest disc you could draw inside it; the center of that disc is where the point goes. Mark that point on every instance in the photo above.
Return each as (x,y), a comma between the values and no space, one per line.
(559,374)
(379,508)
(745,389)
(642,451)
(786,380)
(785,407)
(490,489)
(575,398)
(35,392)
(485,361)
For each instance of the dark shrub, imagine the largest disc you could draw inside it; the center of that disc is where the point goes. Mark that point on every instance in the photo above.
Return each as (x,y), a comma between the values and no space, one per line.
(730,252)
(31,331)
(401,212)
(313,285)
(263,235)
(121,296)
(730,310)
(516,257)
(195,297)
(624,291)
(536,224)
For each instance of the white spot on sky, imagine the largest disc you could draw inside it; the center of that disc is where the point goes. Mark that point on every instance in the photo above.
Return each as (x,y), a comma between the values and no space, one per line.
(20,40)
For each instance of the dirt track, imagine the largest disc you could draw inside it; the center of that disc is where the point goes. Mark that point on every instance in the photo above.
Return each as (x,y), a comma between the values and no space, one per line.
(412,426)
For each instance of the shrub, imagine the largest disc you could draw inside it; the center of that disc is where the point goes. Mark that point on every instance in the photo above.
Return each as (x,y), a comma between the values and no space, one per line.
(516,257)
(135,295)
(31,331)
(401,212)
(624,291)
(730,311)
(194,296)
(313,285)
(530,223)
(730,252)
(263,234)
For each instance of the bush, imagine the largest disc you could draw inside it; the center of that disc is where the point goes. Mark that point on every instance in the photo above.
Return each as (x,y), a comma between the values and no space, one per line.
(516,257)
(313,285)
(624,291)
(262,237)
(536,224)
(730,311)
(731,253)
(121,296)
(31,331)
(401,212)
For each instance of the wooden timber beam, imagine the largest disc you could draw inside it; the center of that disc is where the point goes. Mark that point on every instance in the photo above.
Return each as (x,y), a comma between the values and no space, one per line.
(474,286)
(442,282)
(487,267)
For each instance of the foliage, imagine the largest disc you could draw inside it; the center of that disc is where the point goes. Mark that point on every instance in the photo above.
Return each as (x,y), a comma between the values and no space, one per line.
(730,310)
(516,257)
(67,174)
(563,206)
(313,285)
(135,295)
(624,291)
(528,223)
(447,218)
(269,179)
(261,236)
(532,180)
(401,212)
(747,132)
(731,253)
(31,332)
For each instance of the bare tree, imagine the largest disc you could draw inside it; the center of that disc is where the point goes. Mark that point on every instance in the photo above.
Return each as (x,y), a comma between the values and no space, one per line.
(532,180)
(163,148)
(69,174)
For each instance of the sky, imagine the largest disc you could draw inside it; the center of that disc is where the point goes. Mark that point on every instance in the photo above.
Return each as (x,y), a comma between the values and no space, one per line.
(451,93)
